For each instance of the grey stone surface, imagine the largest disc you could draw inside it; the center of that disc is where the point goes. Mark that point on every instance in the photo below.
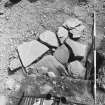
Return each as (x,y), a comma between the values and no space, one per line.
(49,37)
(62,34)
(25,20)
(62,54)
(14,64)
(31,51)
(77,70)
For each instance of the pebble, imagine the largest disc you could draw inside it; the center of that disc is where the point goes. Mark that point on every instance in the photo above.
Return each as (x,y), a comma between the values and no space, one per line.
(31,51)
(45,89)
(49,37)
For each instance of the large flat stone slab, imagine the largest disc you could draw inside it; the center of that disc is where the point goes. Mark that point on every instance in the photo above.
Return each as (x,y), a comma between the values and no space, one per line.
(78,48)
(31,51)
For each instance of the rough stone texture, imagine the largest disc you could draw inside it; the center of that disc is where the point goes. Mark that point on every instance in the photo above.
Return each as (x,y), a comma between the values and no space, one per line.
(25,21)
(49,38)
(29,52)
(77,69)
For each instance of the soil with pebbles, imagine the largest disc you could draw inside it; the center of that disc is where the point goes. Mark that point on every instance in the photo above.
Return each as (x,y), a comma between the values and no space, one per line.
(25,20)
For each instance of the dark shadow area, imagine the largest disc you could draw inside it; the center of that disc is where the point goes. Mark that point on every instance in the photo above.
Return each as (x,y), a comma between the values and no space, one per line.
(14,1)
(10,3)
(82,1)
(32,1)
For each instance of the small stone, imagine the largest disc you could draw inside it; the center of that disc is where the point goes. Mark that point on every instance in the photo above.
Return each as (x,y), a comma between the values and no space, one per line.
(78,48)
(31,51)
(77,69)
(51,74)
(72,22)
(49,37)
(62,34)
(14,64)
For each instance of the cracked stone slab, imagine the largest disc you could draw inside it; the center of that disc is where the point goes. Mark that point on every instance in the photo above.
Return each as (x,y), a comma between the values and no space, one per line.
(31,51)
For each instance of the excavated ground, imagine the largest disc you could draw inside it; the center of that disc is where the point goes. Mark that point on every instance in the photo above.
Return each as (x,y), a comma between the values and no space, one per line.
(26,20)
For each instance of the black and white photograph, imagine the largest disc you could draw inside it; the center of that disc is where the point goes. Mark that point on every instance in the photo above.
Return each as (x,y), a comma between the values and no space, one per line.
(52,52)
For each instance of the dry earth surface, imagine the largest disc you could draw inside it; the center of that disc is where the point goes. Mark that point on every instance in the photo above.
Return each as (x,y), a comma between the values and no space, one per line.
(25,21)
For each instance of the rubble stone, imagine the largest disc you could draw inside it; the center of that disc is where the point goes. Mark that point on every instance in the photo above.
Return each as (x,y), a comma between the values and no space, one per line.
(45,89)
(49,37)
(72,22)
(11,84)
(77,69)
(77,32)
(51,74)
(3,100)
(62,54)
(14,64)
(51,63)
(31,51)
(62,34)
(78,48)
